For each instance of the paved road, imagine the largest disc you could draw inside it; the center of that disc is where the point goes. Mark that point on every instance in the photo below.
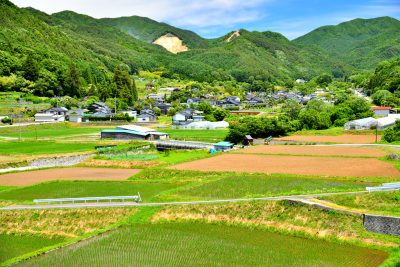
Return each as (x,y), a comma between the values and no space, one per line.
(302,198)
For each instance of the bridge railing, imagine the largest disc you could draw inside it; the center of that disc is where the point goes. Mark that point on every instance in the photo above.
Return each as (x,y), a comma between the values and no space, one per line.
(89,199)
(384,187)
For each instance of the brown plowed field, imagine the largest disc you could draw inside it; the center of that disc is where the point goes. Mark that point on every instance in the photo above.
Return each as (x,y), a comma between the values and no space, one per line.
(314,150)
(34,177)
(340,139)
(354,167)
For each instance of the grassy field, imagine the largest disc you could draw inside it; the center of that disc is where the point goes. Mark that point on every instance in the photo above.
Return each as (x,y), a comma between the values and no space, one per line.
(211,136)
(59,189)
(197,244)
(43,147)
(254,185)
(49,131)
(13,245)
(376,202)
(335,131)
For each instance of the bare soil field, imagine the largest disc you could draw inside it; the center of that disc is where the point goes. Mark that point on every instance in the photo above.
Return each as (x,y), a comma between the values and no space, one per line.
(341,139)
(34,177)
(303,165)
(314,150)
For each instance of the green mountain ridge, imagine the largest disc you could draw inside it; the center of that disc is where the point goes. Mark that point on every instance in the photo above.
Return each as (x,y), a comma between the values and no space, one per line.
(361,43)
(97,46)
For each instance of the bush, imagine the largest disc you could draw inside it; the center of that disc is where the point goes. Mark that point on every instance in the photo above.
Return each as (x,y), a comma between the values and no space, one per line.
(6,120)
(392,134)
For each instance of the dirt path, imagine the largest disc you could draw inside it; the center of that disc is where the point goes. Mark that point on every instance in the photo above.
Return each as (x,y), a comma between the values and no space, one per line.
(314,150)
(34,177)
(342,139)
(302,165)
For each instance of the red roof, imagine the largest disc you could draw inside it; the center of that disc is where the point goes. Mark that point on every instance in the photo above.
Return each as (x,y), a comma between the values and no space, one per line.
(381,108)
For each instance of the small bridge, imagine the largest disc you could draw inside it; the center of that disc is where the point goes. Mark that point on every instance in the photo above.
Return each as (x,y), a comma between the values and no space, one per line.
(89,199)
(175,144)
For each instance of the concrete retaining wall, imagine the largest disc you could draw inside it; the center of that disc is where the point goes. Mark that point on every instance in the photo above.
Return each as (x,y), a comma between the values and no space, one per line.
(382,224)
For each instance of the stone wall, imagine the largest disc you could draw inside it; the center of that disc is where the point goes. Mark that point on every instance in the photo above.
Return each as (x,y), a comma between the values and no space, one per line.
(58,161)
(382,224)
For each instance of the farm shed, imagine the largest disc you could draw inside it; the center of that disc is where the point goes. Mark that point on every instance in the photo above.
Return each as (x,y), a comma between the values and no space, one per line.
(361,124)
(248,140)
(381,111)
(223,146)
(133,132)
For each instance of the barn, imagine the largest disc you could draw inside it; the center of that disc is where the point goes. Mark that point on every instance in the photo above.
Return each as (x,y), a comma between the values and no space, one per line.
(133,132)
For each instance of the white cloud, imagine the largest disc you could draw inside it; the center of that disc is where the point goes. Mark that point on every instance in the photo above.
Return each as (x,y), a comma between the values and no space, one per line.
(177,12)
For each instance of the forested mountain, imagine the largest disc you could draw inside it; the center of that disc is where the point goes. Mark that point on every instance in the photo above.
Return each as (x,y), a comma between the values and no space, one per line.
(75,54)
(148,30)
(361,43)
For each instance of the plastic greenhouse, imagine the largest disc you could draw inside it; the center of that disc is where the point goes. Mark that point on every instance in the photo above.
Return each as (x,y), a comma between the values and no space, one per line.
(361,124)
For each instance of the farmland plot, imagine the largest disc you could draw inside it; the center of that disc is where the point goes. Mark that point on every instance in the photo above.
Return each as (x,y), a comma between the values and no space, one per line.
(198,244)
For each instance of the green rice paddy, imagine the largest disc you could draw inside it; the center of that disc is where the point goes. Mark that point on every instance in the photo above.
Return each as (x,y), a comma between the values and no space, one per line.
(197,244)
(261,186)
(12,245)
(60,189)
(43,147)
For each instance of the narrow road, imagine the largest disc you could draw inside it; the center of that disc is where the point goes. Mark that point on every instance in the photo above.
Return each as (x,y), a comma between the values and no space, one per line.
(302,198)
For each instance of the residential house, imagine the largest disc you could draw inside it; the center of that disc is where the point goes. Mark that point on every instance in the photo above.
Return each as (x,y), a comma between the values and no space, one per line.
(146,115)
(193,101)
(187,116)
(130,113)
(156,97)
(51,115)
(76,115)
(253,100)
(230,101)
(99,109)
(164,107)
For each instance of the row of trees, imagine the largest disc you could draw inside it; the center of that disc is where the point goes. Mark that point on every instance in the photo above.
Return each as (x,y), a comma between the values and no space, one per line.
(316,115)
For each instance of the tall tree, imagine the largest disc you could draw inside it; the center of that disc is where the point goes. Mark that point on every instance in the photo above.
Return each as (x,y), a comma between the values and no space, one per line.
(73,81)
(125,85)
(30,68)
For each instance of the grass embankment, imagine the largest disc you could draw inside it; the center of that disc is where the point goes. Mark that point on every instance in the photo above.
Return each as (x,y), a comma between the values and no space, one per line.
(211,136)
(60,189)
(376,202)
(198,244)
(24,234)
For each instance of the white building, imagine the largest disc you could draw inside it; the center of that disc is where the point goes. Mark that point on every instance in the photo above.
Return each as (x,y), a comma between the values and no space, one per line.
(48,117)
(207,125)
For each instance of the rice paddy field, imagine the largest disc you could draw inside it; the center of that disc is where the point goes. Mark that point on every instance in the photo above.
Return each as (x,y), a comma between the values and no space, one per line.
(31,148)
(15,245)
(198,244)
(60,189)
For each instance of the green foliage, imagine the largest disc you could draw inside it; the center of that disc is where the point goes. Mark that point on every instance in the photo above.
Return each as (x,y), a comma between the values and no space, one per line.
(125,85)
(257,127)
(385,98)
(392,134)
(386,76)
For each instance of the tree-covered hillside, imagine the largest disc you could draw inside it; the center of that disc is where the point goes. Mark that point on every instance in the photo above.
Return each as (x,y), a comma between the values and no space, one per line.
(72,54)
(148,30)
(362,43)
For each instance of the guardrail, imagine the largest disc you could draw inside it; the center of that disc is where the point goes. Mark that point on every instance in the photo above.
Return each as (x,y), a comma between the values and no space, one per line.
(88,199)
(384,187)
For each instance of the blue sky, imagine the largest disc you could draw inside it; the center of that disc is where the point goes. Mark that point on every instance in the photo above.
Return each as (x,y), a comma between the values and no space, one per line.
(214,18)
